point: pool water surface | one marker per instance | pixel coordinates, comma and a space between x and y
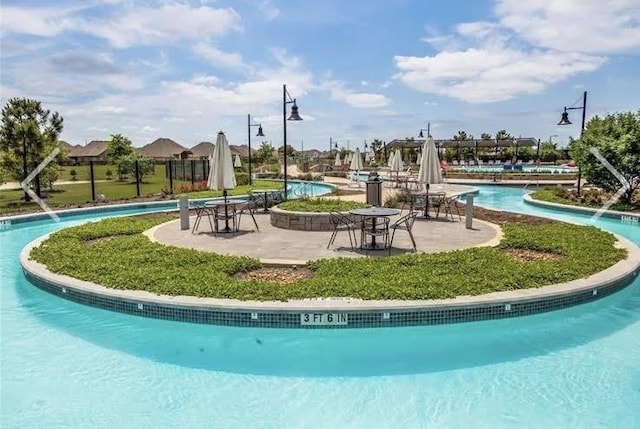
67, 365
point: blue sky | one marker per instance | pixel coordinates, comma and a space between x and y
359, 69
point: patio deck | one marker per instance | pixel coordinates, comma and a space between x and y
282, 246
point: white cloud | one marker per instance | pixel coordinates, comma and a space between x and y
269, 11
128, 26
166, 24
524, 52
217, 57
589, 26
492, 74
363, 99
356, 99
36, 21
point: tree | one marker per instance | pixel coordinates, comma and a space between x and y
29, 133
549, 152
503, 135
485, 136
265, 153
127, 164
119, 147
291, 151
461, 136
617, 138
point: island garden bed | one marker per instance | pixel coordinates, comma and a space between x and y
310, 214
591, 198
114, 253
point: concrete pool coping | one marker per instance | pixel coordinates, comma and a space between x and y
337, 312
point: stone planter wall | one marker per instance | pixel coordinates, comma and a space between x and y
302, 221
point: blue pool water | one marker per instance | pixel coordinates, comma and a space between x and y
66, 365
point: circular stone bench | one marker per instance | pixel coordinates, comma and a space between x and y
301, 221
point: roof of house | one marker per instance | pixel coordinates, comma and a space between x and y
202, 149
93, 148
242, 150
162, 148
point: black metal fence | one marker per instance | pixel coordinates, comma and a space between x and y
187, 170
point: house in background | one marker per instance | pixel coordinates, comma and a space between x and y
95, 150
163, 149
202, 150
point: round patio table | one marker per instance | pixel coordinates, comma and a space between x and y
226, 204
374, 212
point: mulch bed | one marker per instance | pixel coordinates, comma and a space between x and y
281, 275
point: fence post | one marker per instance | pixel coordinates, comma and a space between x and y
193, 170
469, 212
170, 178
137, 179
92, 180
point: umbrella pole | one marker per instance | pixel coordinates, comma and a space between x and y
226, 211
426, 203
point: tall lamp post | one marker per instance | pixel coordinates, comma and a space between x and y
260, 134
286, 99
564, 120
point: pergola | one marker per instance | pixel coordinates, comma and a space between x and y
475, 144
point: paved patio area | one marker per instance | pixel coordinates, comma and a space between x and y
276, 245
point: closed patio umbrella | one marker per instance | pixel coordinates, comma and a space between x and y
338, 161
396, 164
237, 163
429, 173
390, 160
356, 164
221, 175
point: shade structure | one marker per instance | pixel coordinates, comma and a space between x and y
221, 175
356, 161
236, 161
338, 160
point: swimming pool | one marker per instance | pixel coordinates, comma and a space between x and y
67, 365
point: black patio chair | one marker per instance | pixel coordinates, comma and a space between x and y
342, 223
451, 205
404, 223
378, 229
254, 202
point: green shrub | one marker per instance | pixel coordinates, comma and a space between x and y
242, 179
74, 174
320, 205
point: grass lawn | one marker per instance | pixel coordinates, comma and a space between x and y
115, 253
78, 194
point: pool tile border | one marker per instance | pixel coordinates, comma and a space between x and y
359, 313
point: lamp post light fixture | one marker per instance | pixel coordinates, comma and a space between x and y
564, 120
428, 130
286, 99
260, 134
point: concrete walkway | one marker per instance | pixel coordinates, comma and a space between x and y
276, 245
